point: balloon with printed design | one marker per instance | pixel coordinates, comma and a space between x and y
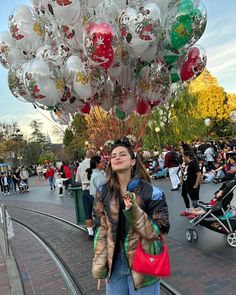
9, 54
100, 41
16, 82
195, 63
188, 25
79, 77
44, 82
26, 29
154, 81
64, 11
140, 24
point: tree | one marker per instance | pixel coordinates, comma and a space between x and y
212, 102
31, 153
176, 120
47, 157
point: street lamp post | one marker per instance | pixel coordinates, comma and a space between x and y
157, 130
17, 136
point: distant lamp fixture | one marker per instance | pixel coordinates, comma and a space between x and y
86, 143
233, 116
157, 129
207, 121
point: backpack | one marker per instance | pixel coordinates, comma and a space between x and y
175, 159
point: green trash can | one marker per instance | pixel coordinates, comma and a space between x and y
79, 208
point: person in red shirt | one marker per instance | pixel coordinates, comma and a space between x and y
50, 176
67, 174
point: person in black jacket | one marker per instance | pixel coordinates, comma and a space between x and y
191, 179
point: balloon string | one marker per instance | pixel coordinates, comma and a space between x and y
47, 117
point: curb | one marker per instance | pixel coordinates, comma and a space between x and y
12, 272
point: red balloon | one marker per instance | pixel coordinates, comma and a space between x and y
98, 43
194, 53
186, 72
142, 107
85, 109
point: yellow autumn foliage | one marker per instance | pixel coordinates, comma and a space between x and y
212, 101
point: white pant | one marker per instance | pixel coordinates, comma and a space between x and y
174, 178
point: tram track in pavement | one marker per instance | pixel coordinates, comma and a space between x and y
69, 248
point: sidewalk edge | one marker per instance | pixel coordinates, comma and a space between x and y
12, 269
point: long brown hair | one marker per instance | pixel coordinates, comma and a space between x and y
137, 171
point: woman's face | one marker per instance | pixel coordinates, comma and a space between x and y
121, 159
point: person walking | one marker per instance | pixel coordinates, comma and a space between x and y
59, 183
39, 170
4, 180
191, 179
16, 179
171, 162
82, 177
50, 176
127, 209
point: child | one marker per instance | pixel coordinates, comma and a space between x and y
59, 184
5, 184
224, 189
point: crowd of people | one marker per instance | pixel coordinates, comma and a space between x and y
14, 181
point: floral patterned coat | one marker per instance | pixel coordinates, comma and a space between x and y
146, 220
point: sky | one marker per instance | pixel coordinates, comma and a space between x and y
219, 41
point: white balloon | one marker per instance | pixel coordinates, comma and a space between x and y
9, 54
44, 82
16, 82
26, 29
79, 76
65, 11
207, 122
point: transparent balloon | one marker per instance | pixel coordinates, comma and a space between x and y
140, 24
9, 54
26, 29
64, 11
16, 82
44, 82
187, 25
79, 77
194, 65
100, 41
154, 81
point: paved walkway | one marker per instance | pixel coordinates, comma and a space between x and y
207, 266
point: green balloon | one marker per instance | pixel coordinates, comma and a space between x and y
185, 7
174, 77
170, 59
181, 31
120, 114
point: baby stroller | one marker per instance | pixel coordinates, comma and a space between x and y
23, 187
219, 217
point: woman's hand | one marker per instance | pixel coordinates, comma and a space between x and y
129, 200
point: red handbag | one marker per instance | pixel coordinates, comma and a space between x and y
153, 265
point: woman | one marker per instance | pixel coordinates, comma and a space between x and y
191, 179
96, 174
122, 222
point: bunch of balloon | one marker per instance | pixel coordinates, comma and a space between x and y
123, 56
